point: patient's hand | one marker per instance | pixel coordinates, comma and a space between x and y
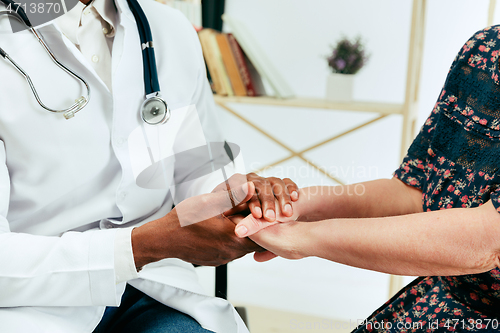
280, 239
272, 236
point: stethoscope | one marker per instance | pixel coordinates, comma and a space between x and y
154, 110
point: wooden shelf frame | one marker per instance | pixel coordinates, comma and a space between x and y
307, 103
408, 110
315, 103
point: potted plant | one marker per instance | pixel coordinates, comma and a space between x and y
347, 58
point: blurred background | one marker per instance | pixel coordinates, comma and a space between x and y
296, 36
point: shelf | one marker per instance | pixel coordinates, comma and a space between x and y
316, 103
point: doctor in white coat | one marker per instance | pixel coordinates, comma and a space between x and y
69, 199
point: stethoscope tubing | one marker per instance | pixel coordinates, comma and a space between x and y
19, 11
81, 102
154, 110
151, 83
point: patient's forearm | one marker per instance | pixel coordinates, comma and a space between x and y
383, 197
447, 242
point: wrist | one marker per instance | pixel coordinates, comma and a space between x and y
153, 241
304, 237
302, 207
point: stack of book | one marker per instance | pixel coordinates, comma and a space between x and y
236, 63
190, 8
258, 58
230, 71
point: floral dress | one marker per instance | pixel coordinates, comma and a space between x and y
455, 161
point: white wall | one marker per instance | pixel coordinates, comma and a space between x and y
296, 35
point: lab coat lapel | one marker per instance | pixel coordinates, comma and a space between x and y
128, 82
54, 36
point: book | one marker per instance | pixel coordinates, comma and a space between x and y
255, 78
231, 65
241, 63
258, 57
209, 55
213, 59
219, 63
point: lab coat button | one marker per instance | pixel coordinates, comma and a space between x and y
122, 196
120, 141
95, 58
86, 12
105, 31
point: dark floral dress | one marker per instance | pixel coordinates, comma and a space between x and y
455, 161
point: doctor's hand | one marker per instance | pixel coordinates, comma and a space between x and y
196, 231
248, 224
267, 191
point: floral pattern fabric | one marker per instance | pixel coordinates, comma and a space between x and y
455, 161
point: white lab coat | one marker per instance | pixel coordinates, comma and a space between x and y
57, 178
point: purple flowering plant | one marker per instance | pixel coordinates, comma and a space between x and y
348, 57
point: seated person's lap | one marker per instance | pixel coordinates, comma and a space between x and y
139, 313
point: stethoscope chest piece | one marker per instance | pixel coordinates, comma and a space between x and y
155, 111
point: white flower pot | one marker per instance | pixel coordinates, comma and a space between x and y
339, 87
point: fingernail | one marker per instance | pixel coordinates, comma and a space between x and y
294, 195
270, 214
241, 231
287, 209
258, 211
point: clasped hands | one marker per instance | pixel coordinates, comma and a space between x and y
201, 229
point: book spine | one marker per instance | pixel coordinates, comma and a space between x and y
210, 59
223, 77
242, 66
231, 66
